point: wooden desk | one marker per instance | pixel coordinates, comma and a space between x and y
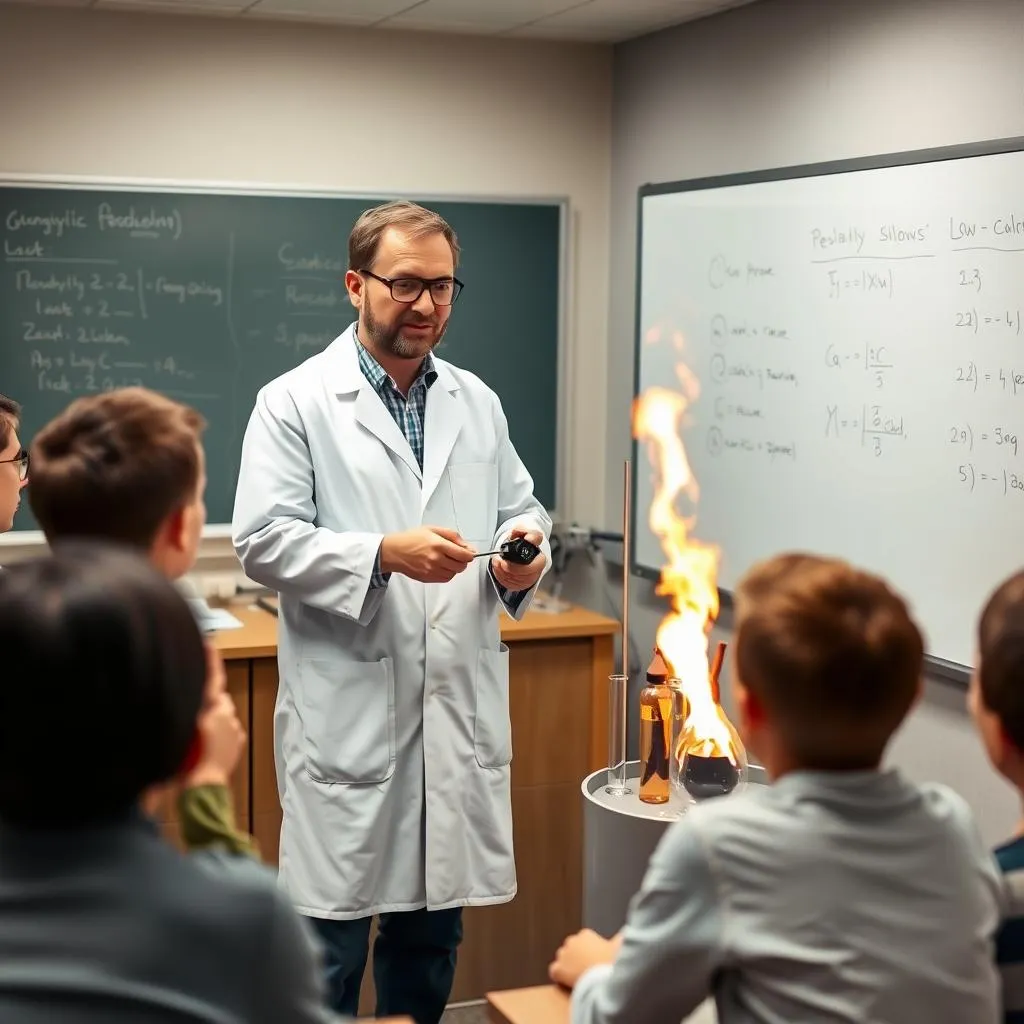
544, 1004
558, 693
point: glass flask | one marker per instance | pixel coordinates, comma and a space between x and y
707, 758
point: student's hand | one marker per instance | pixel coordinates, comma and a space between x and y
430, 554
520, 577
579, 953
221, 733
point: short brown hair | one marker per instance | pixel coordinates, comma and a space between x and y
114, 466
833, 655
418, 221
1001, 657
10, 414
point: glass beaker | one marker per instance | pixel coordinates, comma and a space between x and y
708, 757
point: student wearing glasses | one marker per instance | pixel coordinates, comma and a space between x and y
13, 462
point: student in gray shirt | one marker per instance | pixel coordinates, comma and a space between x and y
101, 920
842, 892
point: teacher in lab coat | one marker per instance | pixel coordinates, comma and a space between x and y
371, 475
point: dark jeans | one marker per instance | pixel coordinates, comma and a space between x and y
413, 962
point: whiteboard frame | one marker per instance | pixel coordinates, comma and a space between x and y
563, 429
939, 667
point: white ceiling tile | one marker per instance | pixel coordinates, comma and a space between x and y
51, 3
348, 10
220, 8
321, 10
614, 21
603, 21
465, 15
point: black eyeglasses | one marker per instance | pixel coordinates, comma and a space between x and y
22, 460
443, 290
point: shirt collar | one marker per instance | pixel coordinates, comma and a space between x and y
378, 376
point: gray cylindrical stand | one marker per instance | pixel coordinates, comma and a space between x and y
619, 836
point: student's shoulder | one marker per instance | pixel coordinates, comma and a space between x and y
753, 816
946, 806
237, 888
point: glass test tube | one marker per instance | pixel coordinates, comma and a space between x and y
618, 694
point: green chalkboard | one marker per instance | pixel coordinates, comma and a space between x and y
207, 295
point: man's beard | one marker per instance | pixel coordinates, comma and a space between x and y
388, 338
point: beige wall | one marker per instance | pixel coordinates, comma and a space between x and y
124, 95
795, 81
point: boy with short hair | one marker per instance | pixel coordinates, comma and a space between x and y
996, 700
842, 892
127, 466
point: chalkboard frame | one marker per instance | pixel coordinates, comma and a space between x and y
213, 531
941, 668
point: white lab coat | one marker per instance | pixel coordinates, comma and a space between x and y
392, 732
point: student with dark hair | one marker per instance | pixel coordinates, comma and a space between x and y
996, 700
13, 462
127, 467
100, 919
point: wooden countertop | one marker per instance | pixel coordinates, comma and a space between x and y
544, 1004
258, 636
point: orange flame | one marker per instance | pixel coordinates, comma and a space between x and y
689, 577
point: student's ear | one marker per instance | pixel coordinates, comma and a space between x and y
175, 530
749, 709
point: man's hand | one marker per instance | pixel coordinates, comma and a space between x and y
220, 731
430, 554
579, 953
520, 577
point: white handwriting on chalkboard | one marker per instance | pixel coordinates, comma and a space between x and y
90, 336
300, 341
33, 333
315, 299
287, 258
188, 289
48, 223
31, 251
72, 284
53, 308
149, 224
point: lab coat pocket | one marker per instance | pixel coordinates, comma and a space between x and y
492, 731
475, 498
348, 719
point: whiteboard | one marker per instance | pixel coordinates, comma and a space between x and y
857, 332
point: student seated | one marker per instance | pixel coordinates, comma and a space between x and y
996, 699
127, 466
840, 893
101, 920
13, 462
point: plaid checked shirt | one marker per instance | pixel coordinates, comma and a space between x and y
408, 414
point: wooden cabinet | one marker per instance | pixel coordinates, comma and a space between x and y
558, 670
